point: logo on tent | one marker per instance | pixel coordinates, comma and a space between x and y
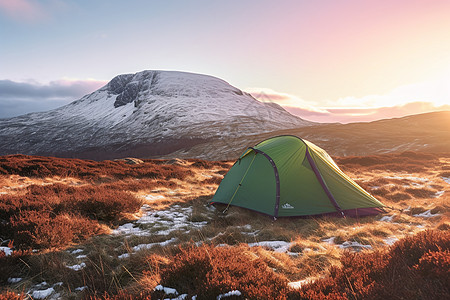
287, 206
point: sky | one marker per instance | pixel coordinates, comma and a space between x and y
325, 61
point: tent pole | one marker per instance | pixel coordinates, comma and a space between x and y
240, 183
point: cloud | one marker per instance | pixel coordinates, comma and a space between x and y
22, 10
17, 98
283, 99
433, 95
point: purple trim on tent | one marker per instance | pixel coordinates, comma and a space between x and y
322, 182
353, 213
277, 180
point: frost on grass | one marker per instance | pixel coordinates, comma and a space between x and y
77, 267
390, 240
41, 294
229, 294
439, 194
147, 246
123, 256
329, 240
76, 251
387, 218
13, 280
161, 222
446, 179
130, 229
166, 290
8, 251
354, 245
277, 246
348, 244
426, 214
151, 245
174, 218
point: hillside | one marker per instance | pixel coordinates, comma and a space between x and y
424, 132
77, 228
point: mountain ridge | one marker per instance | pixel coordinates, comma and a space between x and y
146, 114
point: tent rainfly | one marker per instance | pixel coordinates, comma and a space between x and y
286, 176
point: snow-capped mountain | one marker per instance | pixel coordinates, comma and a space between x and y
146, 114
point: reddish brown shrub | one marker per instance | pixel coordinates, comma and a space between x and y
416, 267
206, 164
56, 215
99, 203
8, 295
42, 229
36, 166
411, 249
435, 265
208, 271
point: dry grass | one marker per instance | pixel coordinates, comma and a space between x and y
50, 204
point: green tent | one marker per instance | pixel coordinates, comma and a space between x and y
286, 176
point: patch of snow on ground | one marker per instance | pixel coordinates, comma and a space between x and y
8, 251
148, 246
167, 290
80, 288
154, 197
123, 256
408, 177
426, 214
446, 179
387, 218
161, 222
13, 280
329, 240
76, 251
77, 267
131, 229
81, 256
390, 240
172, 219
277, 246
439, 194
354, 245
229, 294
41, 294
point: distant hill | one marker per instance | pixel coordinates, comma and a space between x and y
422, 132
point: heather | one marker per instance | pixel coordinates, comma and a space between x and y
113, 230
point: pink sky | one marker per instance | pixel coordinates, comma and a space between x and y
333, 58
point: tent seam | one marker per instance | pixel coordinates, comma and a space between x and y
277, 180
322, 182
